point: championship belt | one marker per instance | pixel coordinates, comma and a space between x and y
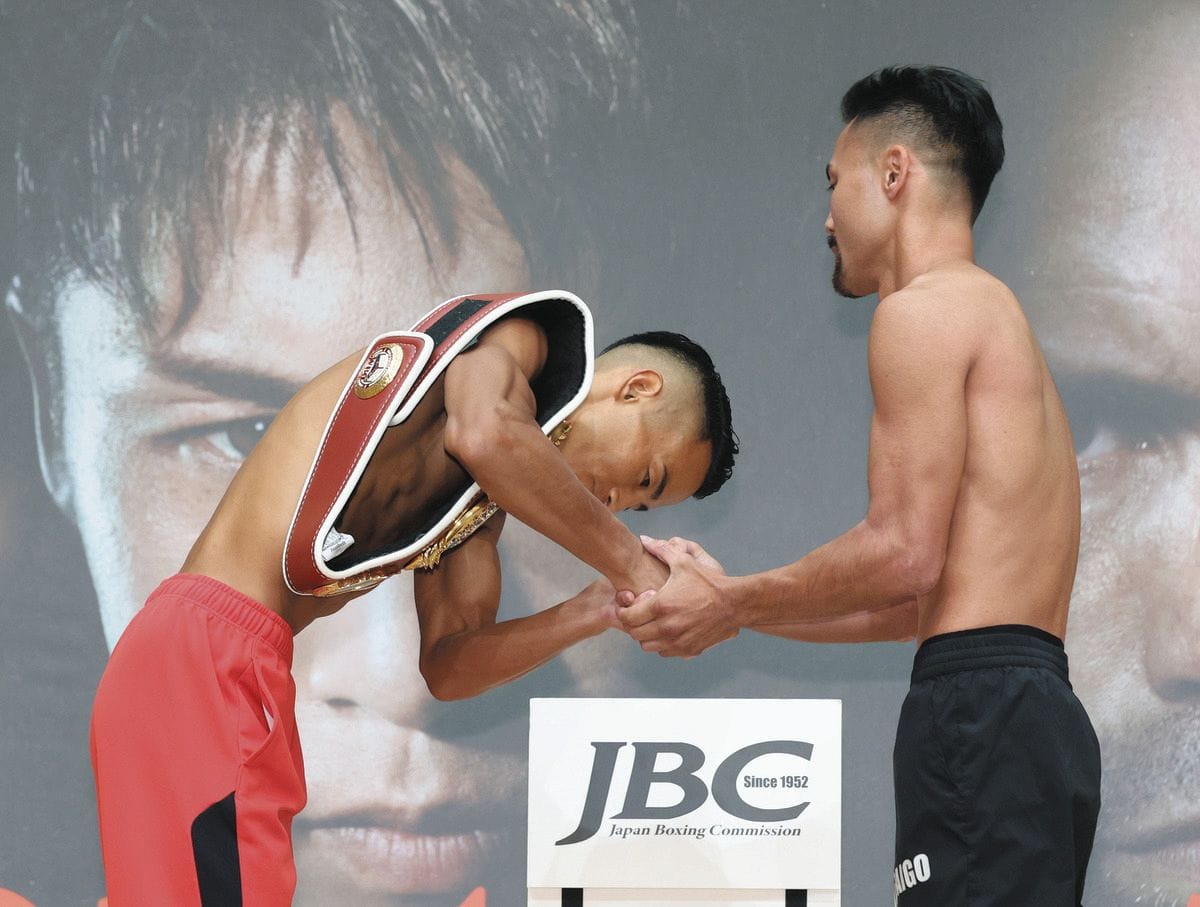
395, 374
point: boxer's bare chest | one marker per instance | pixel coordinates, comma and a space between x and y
407, 483
408, 478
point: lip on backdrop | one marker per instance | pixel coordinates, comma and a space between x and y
401, 811
375, 853
429, 832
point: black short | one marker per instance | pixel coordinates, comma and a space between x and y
997, 773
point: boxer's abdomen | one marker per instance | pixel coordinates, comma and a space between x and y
408, 484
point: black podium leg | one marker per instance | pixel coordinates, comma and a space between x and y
793, 897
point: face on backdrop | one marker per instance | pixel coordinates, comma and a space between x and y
411, 802
1114, 298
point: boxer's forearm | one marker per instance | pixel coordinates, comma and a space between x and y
473, 661
897, 623
862, 570
522, 472
492, 431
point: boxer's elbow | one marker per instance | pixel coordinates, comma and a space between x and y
443, 684
917, 566
463, 441
911, 554
479, 442
443, 691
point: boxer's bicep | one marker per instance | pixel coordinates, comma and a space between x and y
522, 340
494, 375
462, 593
920, 353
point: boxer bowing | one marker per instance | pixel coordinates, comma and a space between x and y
406, 455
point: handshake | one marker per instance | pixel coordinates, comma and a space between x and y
697, 606
690, 612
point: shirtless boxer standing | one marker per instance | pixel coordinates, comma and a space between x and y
194, 744
972, 531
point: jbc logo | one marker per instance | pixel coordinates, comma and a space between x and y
644, 773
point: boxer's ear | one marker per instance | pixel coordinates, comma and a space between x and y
643, 383
896, 163
37, 347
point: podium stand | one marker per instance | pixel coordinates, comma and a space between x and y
682, 802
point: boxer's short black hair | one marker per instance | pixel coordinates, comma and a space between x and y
947, 109
717, 427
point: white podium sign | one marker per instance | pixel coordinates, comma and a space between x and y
685, 794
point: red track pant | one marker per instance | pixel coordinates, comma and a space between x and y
195, 751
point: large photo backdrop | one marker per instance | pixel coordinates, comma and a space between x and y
206, 202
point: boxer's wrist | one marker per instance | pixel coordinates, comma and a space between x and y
592, 611
632, 569
645, 572
745, 597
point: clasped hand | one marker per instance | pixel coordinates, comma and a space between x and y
690, 613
